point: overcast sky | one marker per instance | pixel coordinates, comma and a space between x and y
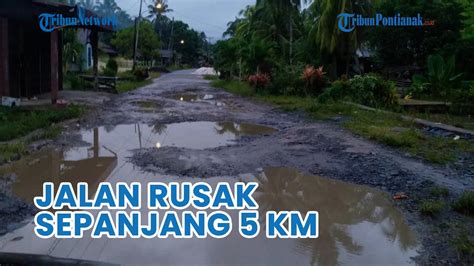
210, 16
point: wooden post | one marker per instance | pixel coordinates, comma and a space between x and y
54, 66
95, 57
4, 62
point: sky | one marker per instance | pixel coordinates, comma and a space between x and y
209, 16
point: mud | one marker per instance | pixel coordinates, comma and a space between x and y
316, 148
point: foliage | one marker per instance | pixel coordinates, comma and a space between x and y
373, 90
431, 208
338, 90
463, 100
10, 151
111, 68
439, 80
140, 74
465, 203
148, 41
258, 81
314, 80
72, 49
439, 191
401, 46
286, 80
18, 122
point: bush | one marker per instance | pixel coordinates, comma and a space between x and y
338, 91
141, 74
463, 102
75, 82
372, 90
465, 203
286, 80
431, 208
111, 68
258, 81
314, 80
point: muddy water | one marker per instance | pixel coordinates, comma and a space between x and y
191, 135
192, 97
358, 225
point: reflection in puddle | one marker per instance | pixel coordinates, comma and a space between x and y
358, 225
191, 135
192, 97
88, 165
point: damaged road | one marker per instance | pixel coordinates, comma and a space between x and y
189, 130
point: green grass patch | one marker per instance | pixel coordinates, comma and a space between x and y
439, 191
18, 122
465, 203
466, 122
210, 77
129, 85
237, 87
146, 104
431, 208
8, 151
464, 245
383, 127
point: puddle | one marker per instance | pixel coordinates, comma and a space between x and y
193, 97
358, 225
191, 135
147, 104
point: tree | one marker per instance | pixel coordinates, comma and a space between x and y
148, 43
334, 45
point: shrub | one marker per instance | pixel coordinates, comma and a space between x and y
338, 91
439, 192
463, 102
141, 74
314, 80
465, 203
286, 80
431, 208
258, 81
439, 79
373, 90
111, 68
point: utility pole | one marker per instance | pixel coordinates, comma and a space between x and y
170, 44
135, 45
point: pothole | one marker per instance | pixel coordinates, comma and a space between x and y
147, 104
358, 224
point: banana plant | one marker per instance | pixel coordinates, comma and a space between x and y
440, 78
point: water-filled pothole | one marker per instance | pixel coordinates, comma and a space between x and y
358, 225
191, 135
192, 97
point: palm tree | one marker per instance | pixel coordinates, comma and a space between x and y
107, 7
332, 42
87, 4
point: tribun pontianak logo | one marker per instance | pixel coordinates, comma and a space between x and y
49, 22
347, 22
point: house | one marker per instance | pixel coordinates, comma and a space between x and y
31, 58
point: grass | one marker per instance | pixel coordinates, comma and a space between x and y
464, 245
439, 191
146, 104
383, 127
129, 85
18, 122
465, 203
431, 208
465, 122
8, 151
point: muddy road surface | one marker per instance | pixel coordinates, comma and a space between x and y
181, 129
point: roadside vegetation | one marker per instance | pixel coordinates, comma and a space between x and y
306, 63
19, 121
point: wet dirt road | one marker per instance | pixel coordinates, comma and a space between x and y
181, 129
